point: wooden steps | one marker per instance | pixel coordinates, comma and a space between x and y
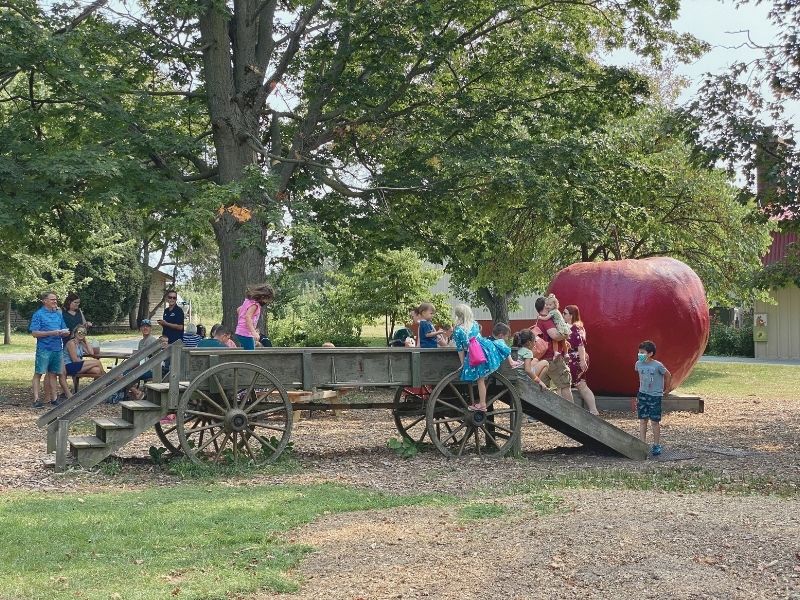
113, 433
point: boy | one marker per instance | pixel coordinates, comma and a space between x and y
654, 379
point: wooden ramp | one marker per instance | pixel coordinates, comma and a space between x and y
575, 422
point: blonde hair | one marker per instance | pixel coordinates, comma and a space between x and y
464, 316
552, 298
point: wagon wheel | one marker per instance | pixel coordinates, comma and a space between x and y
457, 431
409, 414
168, 434
234, 410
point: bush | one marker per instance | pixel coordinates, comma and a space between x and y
726, 340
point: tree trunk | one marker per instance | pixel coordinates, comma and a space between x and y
497, 305
7, 323
233, 120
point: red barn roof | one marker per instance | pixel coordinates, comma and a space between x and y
777, 251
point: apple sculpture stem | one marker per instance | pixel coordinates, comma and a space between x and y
625, 302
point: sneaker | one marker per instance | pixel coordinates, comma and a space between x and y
168, 419
62, 397
656, 450
38, 404
56, 402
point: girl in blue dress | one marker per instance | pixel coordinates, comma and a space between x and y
466, 329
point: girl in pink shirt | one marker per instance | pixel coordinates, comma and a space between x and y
249, 312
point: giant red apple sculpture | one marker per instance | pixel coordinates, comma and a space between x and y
625, 302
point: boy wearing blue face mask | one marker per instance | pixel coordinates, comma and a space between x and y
654, 379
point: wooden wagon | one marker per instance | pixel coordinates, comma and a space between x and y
236, 403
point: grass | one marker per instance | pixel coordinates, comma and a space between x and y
739, 380
23, 342
472, 512
191, 541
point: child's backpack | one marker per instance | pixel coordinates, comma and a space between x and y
539, 345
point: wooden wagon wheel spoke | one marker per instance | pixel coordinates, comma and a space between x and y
263, 399
248, 447
201, 413
460, 397
222, 445
448, 405
221, 391
262, 441
268, 411
463, 443
491, 401
452, 433
216, 435
456, 432
266, 426
211, 401
448, 420
200, 429
504, 411
251, 387
408, 410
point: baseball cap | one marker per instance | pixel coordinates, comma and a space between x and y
145, 322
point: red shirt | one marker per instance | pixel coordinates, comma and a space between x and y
544, 325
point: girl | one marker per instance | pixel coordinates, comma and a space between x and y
466, 329
249, 312
551, 306
78, 358
427, 332
525, 341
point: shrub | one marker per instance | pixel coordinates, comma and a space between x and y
726, 340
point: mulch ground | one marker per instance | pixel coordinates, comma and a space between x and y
598, 544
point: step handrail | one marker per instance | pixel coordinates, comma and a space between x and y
103, 387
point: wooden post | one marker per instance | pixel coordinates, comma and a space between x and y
174, 374
7, 323
62, 440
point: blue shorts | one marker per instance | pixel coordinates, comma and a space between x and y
246, 342
74, 368
48, 361
648, 406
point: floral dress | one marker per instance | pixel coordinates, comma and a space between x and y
492, 351
577, 337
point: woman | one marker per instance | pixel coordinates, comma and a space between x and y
256, 297
73, 315
577, 357
78, 359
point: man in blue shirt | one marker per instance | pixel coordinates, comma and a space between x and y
172, 323
49, 329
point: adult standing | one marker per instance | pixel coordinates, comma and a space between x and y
172, 323
256, 297
72, 313
578, 357
558, 371
48, 327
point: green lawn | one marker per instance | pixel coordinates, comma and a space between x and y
740, 380
190, 541
22, 342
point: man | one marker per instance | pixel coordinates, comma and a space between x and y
172, 323
220, 340
558, 371
49, 329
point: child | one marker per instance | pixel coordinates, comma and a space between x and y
466, 329
256, 297
445, 339
427, 332
500, 333
525, 340
551, 306
654, 379
190, 336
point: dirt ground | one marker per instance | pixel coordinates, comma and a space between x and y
598, 544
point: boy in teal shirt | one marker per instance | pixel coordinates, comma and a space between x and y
654, 379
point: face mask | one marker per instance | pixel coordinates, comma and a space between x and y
642, 356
